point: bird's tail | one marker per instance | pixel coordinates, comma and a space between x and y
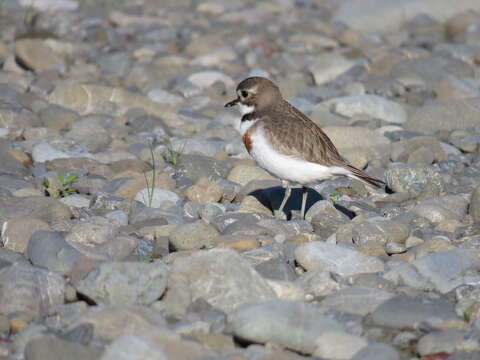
363, 176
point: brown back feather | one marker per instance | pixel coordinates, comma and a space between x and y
300, 136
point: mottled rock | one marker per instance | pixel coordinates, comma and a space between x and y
377, 351
277, 321
337, 345
193, 236
440, 342
325, 224
442, 208
206, 79
204, 191
17, 232
43, 151
11, 165
380, 231
405, 178
437, 116
327, 67
134, 348
373, 106
243, 174
58, 118
337, 259
318, 283
198, 166
345, 137
125, 283
359, 300
39, 207
422, 149
29, 292
36, 55
93, 231
220, 276
157, 198
50, 347
406, 312
461, 22
474, 209
92, 135
50, 250
109, 321
446, 270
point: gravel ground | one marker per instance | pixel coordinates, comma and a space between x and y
135, 225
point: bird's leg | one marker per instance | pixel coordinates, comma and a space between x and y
286, 185
304, 200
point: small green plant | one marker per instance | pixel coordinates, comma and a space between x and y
151, 183
172, 155
335, 196
60, 186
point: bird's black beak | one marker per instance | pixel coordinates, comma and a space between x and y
232, 103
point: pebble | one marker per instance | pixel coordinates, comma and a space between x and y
135, 348
409, 177
157, 198
448, 207
446, 269
377, 351
474, 209
318, 283
274, 321
29, 292
43, 151
403, 311
338, 345
125, 283
380, 231
37, 56
243, 174
327, 67
49, 249
359, 300
373, 106
56, 348
440, 342
210, 273
337, 259
17, 232
195, 235
345, 137
204, 191
434, 117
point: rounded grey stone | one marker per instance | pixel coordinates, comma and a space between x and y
294, 325
50, 250
337, 259
125, 283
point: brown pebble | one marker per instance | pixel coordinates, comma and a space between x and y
17, 324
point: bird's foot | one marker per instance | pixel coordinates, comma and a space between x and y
280, 215
297, 215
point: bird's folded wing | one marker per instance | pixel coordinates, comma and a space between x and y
292, 133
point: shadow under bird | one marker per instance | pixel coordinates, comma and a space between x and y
286, 143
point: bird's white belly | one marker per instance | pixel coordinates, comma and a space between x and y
288, 167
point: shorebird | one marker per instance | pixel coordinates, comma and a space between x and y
286, 143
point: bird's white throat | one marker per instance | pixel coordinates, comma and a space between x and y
246, 124
245, 109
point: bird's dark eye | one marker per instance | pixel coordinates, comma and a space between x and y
244, 93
